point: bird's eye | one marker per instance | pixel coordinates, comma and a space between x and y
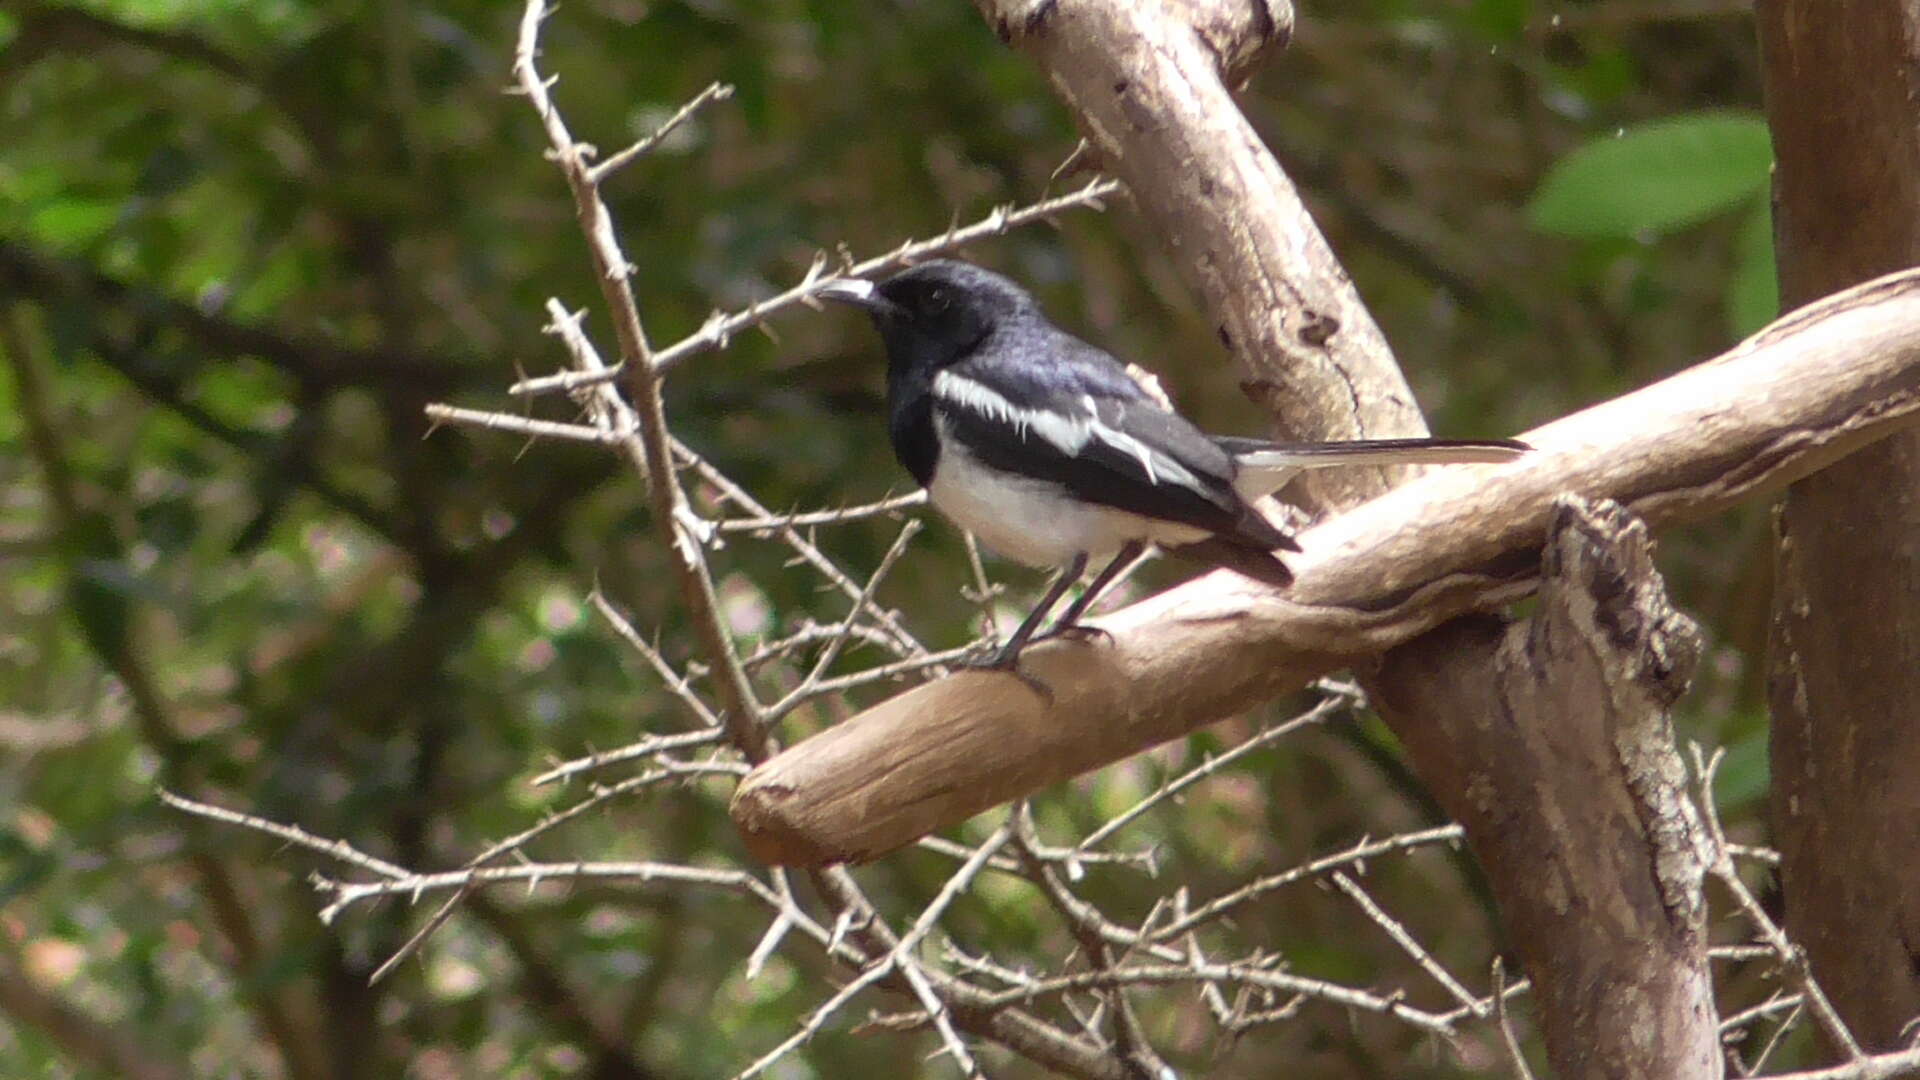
938, 301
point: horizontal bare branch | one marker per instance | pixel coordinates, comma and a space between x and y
1231, 974
292, 834
891, 505
1815, 385
647, 747
520, 425
720, 329
347, 893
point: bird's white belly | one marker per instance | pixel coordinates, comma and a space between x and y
1036, 522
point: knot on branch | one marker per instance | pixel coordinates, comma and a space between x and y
1602, 600
1239, 33
1599, 549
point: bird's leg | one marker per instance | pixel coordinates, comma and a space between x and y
1069, 624
1009, 654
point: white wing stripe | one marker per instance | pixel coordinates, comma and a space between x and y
1068, 434
1332, 455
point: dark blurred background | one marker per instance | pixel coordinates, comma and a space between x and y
242, 243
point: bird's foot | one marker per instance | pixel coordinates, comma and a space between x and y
1008, 660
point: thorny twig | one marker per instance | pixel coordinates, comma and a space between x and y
1414, 950
809, 686
714, 93
1211, 765
720, 329
1521, 1070
1793, 959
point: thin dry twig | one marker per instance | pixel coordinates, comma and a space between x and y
292, 834
898, 956
1250, 974
1414, 950
649, 447
720, 329
806, 549
1367, 849
765, 526
1511, 991
1793, 959
399, 880
1779, 1003
681, 685
714, 93
1211, 764
1499, 999
668, 769
1780, 1033
647, 747
519, 425
1129, 1038
836, 642
1151, 940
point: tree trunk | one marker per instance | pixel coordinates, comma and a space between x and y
1844, 669
1569, 786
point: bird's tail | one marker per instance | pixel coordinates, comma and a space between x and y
1265, 467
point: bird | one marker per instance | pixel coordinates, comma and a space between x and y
1051, 453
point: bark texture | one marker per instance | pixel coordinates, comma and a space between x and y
1842, 79
1569, 787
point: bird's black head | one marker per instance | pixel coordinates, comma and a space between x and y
935, 313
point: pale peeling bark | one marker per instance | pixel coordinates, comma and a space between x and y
1842, 80
1572, 793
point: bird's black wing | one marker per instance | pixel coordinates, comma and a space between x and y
1074, 418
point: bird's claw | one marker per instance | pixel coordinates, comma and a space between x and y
1009, 662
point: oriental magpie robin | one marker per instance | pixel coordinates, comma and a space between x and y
1047, 449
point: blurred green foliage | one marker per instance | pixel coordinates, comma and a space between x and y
241, 244
1658, 178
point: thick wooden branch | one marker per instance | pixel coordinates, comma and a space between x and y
1576, 802
1808, 389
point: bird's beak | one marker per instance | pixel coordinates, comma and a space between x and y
858, 292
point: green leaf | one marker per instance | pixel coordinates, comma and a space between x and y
1500, 20
1753, 291
69, 223
1655, 178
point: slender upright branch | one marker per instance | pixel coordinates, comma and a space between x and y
650, 452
